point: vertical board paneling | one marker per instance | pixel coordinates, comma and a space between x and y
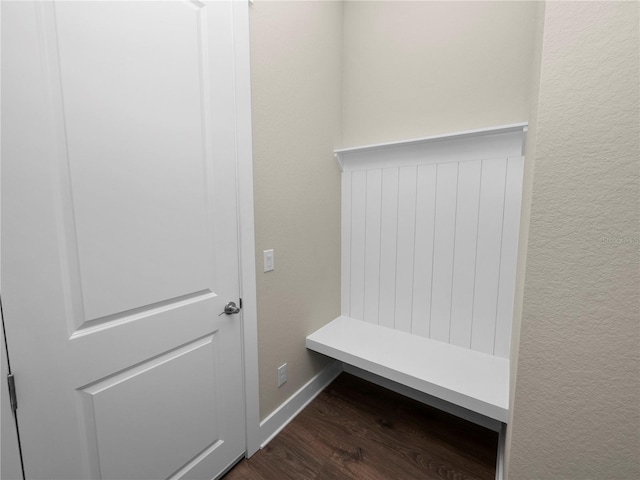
488, 254
388, 247
358, 217
372, 252
446, 197
509, 256
345, 267
431, 249
406, 243
425, 221
465, 252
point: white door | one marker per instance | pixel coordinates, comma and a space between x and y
120, 237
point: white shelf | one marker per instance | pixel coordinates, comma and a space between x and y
491, 142
469, 379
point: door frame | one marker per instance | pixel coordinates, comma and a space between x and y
246, 233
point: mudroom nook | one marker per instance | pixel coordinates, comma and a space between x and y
319, 240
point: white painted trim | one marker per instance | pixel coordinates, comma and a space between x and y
493, 142
514, 127
425, 398
246, 225
280, 418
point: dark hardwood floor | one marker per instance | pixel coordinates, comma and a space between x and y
358, 430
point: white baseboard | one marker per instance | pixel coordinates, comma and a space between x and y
280, 418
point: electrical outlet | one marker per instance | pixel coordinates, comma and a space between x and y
282, 374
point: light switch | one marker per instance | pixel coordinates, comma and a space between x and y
268, 260
282, 374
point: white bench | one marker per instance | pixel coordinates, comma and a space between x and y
429, 251
472, 380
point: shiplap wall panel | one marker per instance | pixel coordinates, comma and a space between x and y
372, 247
358, 220
465, 252
443, 252
425, 221
345, 263
388, 247
488, 254
509, 256
406, 244
429, 236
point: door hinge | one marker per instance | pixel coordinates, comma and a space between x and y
240, 302
12, 392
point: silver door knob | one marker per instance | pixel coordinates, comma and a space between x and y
230, 309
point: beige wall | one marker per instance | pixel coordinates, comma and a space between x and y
296, 81
413, 69
404, 69
576, 407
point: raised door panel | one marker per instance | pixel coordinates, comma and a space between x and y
151, 407
134, 150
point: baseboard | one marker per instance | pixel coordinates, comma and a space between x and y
280, 418
425, 398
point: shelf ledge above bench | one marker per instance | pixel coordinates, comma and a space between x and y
476, 381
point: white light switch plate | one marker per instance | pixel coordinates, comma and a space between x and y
269, 264
282, 374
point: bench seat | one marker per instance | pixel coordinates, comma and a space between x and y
476, 381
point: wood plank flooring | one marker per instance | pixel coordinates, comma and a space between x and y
358, 430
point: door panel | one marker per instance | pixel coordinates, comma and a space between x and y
132, 122
147, 392
120, 240
127, 124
